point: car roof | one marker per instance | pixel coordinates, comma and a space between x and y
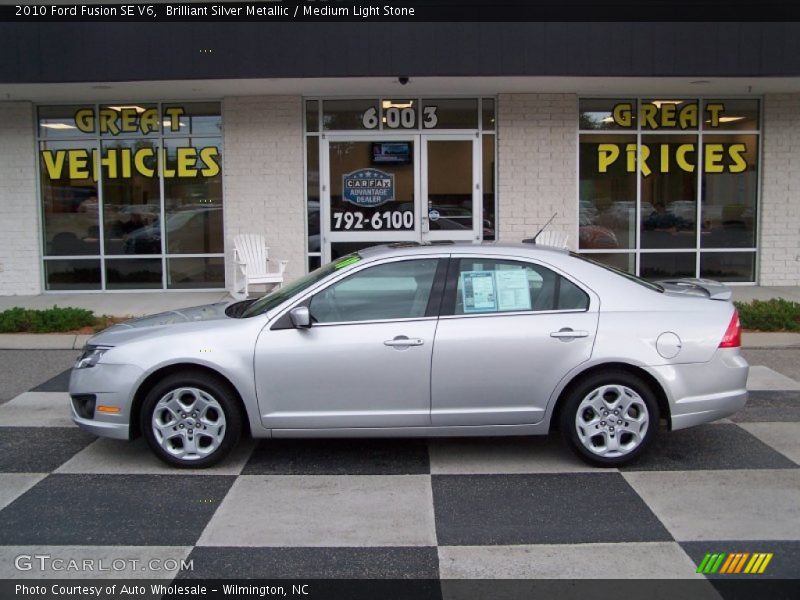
417, 248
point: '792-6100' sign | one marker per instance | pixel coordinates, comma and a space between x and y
369, 189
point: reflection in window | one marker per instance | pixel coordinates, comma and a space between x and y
728, 266
69, 199
489, 216
72, 274
133, 274
312, 187
195, 272
607, 205
193, 196
348, 114
397, 290
607, 113
730, 190
131, 196
669, 191
624, 262
663, 265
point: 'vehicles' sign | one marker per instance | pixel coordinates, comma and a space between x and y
148, 159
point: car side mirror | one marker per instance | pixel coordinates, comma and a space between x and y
301, 318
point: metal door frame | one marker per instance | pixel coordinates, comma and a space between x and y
421, 231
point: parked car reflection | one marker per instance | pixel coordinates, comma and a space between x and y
195, 230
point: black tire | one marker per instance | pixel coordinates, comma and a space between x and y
580, 391
219, 391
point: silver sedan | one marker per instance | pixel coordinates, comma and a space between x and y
424, 340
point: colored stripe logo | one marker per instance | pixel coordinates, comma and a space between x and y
735, 562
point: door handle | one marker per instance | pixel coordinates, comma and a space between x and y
567, 333
402, 341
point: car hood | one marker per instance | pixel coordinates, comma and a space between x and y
207, 312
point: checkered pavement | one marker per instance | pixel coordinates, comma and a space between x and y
444, 508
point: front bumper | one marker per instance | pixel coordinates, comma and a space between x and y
705, 392
112, 386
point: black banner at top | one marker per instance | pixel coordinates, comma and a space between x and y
322, 11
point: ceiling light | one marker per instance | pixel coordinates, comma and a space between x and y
390, 104
168, 123
58, 126
138, 109
731, 119
101, 87
660, 103
700, 82
608, 119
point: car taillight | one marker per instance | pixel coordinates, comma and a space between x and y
733, 335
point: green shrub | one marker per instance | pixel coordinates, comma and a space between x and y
770, 315
25, 320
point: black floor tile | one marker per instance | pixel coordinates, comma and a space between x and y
770, 406
128, 510
59, 383
708, 447
548, 508
339, 457
39, 449
785, 562
319, 563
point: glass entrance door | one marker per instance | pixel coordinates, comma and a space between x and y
394, 188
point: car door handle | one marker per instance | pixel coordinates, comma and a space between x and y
402, 341
567, 333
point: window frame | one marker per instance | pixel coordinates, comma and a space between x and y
448, 302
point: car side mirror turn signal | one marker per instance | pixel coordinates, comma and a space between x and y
301, 318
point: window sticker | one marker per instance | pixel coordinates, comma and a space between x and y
512, 290
478, 291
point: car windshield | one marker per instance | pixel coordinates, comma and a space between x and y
643, 282
270, 301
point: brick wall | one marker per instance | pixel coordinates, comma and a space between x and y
780, 196
537, 159
19, 214
263, 167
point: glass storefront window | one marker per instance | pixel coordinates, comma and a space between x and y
607, 192
349, 114
69, 198
730, 189
196, 272
103, 169
62, 275
668, 174
607, 113
443, 113
312, 115
488, 116
682, 174
312, 186
489, 212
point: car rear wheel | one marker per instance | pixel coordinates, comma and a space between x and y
191, 420
610, 418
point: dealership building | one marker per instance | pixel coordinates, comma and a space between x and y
132, 155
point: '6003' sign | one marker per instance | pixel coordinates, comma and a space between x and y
400, 117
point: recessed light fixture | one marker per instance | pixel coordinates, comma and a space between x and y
608, 119
728, 119
168, 123
58, 126
138, 109
390, 104
700, 82
101, 87
660, 103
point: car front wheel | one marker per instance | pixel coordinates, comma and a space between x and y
191, 420
610, 418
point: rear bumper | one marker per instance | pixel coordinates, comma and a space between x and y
701, 393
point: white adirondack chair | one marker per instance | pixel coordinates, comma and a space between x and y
251, 264
552, 237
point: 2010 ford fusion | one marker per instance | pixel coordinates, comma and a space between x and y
424, 340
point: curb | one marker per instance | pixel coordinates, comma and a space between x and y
42, 341
71, 341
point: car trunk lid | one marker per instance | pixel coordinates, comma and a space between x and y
704, 288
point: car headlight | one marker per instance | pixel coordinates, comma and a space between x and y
90, 356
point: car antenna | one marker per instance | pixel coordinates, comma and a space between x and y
533, 239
